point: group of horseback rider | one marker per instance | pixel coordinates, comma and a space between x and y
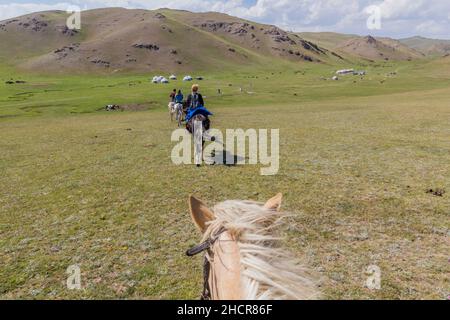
193, 106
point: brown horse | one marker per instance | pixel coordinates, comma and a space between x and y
243, 260
206, 123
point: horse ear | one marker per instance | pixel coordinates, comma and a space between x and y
200, 213
274, 203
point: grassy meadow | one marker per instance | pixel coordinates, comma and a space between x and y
83, 186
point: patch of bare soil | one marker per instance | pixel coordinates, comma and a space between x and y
136, 107
130, 107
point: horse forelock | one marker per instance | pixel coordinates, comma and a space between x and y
267, 270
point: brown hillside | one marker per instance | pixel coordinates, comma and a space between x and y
379, 49
117, 40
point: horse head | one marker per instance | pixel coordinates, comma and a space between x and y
243, 260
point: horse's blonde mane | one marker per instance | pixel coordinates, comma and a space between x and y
267, 271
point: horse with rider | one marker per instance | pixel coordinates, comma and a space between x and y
193, 108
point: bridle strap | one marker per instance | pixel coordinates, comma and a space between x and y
206, 294
204, 245
200, 248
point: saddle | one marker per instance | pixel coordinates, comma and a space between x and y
198, 111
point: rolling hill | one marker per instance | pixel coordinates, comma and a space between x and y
121, 40
329, 40
369, 48
379, 49
434, 47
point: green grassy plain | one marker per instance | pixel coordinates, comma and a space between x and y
83, 186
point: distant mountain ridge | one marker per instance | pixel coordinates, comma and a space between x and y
379, 49
368, 47
427, 46
122, 40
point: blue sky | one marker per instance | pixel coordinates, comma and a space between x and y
399, 18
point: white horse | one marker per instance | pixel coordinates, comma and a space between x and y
176, 109
243, 259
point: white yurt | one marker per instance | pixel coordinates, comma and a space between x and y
345, 71
173, 77
187, 78
159, 79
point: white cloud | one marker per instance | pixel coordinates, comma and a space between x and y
17, 9
431, 27
400, 18
396, 9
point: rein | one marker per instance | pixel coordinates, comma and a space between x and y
205, 246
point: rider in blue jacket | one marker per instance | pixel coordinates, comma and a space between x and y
179, 97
